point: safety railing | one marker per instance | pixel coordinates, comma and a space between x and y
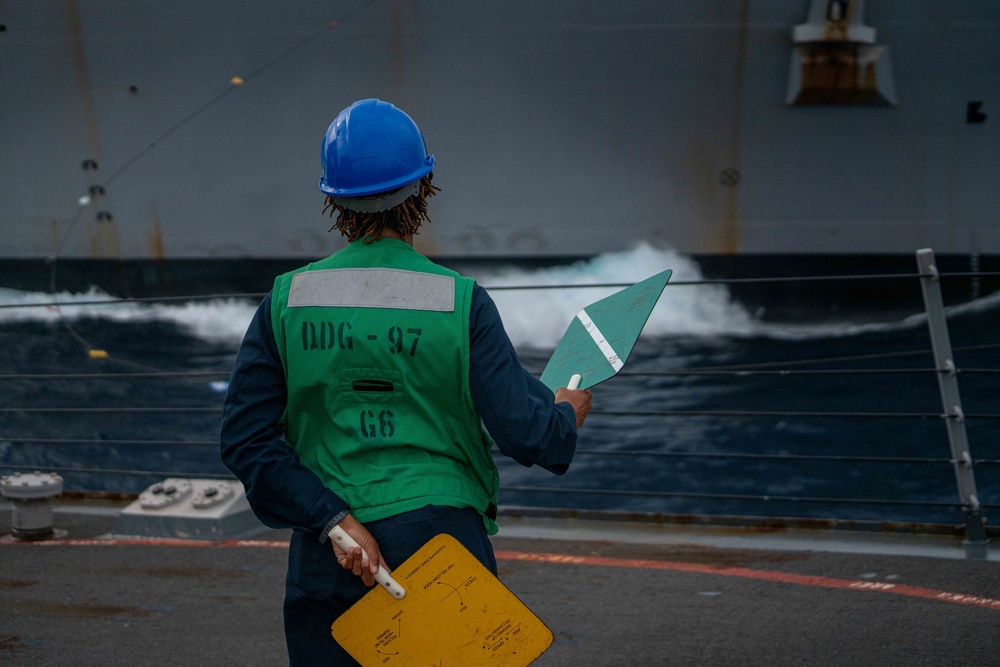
24, 450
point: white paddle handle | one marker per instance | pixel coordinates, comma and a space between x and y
574, 381
340, 536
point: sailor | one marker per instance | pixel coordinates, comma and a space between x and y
371, 386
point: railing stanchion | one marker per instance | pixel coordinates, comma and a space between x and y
930, 283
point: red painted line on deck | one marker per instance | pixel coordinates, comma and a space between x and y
147, 542
594, 561
747, 573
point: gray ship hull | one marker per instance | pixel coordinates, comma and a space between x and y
561, 130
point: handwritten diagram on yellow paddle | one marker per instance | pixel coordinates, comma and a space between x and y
600, 338
453, 612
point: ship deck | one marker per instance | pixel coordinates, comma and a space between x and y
612, 592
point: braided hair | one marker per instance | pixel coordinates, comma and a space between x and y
404, 218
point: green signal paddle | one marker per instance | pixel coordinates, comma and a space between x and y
598, 341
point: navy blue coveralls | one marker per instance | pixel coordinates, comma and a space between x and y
517, 410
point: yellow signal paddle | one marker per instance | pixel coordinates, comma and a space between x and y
451, 611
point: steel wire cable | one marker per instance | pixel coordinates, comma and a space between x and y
746, 370
763, 280
117, 471
143, 299
780, 457
965, 274
212, 101
192, 374
555, 490
848, 371
582, 452
756, 369
256, 296
105, 410
677, 283
613, 413
853, 357
762, 457
113, 443
776, 413
234, 86
728, 496
113, 376
170, 374
83, 202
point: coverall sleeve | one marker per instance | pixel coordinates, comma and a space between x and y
282, 492
519, 411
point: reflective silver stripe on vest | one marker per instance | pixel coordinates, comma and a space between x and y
373, 288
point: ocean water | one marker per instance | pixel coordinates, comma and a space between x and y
721, 409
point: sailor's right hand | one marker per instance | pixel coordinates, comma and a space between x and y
353, 559
579, 399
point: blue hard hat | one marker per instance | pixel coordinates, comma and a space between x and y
372, 147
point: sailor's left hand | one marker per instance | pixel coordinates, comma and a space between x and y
353, 558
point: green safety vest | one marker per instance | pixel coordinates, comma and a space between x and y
374, 341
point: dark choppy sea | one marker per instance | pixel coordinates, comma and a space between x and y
649, 446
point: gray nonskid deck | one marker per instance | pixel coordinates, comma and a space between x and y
611, 594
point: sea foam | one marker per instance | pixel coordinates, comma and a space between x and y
535, 318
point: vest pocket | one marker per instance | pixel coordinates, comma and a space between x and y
369, 385
378, 386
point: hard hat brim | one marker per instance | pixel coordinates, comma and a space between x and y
385, 186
